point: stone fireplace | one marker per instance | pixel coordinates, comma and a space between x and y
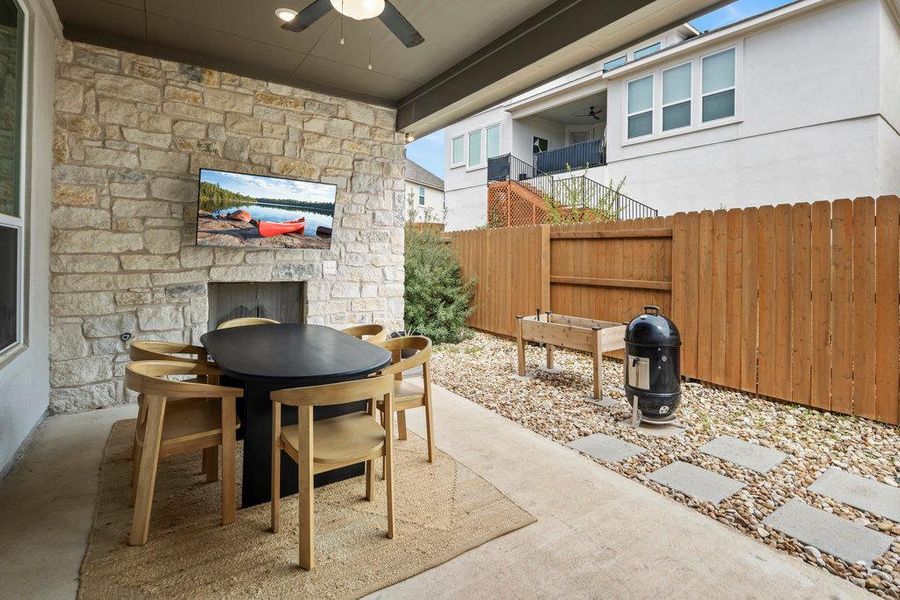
131, 134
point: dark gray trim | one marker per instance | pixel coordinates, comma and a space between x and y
560, 24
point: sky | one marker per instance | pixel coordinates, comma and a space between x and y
271, 187
429, 150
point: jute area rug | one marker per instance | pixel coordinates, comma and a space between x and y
442, 510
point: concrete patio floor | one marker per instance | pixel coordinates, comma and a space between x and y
598, 533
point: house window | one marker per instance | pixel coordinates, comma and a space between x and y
640, 107
538, 145
11, 221
647, 51
493, 140
718, 86
614, 63
421, 195
474, 148
457, 151
676, 97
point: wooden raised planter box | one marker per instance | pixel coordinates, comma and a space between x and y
574, 333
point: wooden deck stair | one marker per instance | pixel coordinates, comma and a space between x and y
515, 203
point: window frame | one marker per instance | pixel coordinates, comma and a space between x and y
697, 124
623, 58
421, 195
657, 44
462, 138
690, 98
651, 110
486, 129
481, 160
20, 223
733, 86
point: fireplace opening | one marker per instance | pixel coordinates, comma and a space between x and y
283, 301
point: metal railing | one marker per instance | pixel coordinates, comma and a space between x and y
507, 167
572, 193
590, 153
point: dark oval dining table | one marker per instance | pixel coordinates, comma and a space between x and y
265, 358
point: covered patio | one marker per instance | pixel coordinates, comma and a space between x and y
208, 382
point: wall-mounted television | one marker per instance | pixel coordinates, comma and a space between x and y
256, 211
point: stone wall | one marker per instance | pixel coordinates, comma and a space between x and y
131, 134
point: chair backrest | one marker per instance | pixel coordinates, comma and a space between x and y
336, 393
155, 350
148, 377
419, 343
245, 321
372, 332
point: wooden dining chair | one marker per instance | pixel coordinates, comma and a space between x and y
328, 444
160, 350
180, 417
246, 321
372, 332
409, 395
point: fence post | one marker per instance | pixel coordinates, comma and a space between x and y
545, 267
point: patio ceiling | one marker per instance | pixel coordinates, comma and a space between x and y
476, 53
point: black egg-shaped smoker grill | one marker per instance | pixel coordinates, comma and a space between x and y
652, 367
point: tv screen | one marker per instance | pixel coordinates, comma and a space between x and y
256, 211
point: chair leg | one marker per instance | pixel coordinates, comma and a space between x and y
389, 480
370, 479
429, 425
211, 464
401, 424
136, 447
383, 426
146, 480
429, 409
305, 476
276, 467
229, 420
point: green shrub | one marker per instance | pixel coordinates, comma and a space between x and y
438, 300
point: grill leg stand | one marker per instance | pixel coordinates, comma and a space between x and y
635, 412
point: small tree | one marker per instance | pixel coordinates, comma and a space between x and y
570, 204
438, 300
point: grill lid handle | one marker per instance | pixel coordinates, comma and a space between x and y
650, 309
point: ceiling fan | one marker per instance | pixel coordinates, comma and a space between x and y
591, 113
355, 9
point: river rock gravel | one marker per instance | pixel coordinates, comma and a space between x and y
556, 405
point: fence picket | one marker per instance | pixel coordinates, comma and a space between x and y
863, 320
887, 239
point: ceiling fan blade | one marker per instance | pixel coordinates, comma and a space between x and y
399, 26
308, 16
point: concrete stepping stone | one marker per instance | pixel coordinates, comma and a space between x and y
744, 454
839, 537
858, 491
696, 481
606, 447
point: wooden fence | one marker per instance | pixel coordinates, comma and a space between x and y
796, 302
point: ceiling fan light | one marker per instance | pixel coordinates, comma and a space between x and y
359, 9
285, 14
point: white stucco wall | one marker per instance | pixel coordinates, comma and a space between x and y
810, 94
24, 379
465, 188
434, 202
889, 47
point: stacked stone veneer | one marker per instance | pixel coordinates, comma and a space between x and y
131, 134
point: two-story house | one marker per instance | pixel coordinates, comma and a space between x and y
800, 103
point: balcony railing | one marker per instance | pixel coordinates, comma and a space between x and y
591, 153
570, 193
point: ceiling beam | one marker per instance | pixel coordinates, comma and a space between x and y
539, 49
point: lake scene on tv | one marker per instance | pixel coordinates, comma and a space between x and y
255, 211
